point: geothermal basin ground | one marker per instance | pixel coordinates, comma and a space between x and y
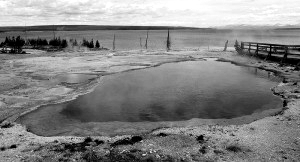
30, 82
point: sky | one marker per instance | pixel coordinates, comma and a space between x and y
193, 13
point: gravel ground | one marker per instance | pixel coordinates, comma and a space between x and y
26, 83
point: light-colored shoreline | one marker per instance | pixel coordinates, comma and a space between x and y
123, 61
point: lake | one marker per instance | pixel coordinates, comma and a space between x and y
180, 39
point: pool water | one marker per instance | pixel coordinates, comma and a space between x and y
171, 92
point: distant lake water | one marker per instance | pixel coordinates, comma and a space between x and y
130, 39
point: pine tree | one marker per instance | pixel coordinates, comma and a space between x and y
19, 44
97, 44
92, 44
64, 43
75, 43
6, 41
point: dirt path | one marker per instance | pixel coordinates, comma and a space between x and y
29, 81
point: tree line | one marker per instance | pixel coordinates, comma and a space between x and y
85, 43
16, 44
90, 44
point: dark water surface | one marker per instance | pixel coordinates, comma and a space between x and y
170, 92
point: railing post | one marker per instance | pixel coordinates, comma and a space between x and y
256, 52
286, 51
249, 48
270, 52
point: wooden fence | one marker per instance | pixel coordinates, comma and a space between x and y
284, 52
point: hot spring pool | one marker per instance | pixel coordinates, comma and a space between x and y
170, 92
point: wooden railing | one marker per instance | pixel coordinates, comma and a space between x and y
277, 50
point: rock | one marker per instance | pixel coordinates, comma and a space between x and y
200, 138
161, 135
6, 124
218, 152
13, 146
202, 150
127, 141
88, 139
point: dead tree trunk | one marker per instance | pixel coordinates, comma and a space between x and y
168, 41
114, 42
146, 44
226, 44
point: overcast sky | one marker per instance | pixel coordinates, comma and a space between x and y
197, 13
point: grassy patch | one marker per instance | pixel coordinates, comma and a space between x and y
91, 156
78, 147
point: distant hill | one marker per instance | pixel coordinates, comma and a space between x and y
261, 27
288, 28
91, 27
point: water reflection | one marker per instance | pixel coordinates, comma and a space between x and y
178, 91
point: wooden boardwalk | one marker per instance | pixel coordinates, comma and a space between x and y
276, 52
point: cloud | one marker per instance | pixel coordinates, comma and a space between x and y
197, 13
